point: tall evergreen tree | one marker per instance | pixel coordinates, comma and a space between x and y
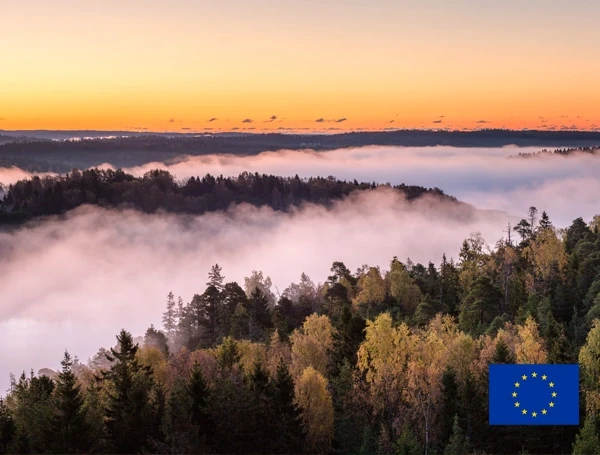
169, 318
289, 432
69, 423
201, 418
260, 315
7, 428
458, 444
449, 402
215, 277
128, 413
587, 442
502, 353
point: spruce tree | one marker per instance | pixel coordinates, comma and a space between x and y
289, 433
128, 413
586, 442
201, 418
215, 277
69, 423
260, 315
458, 444
169, 318
449, 402
502, 354
7, 428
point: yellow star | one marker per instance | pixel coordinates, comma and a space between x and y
544, 377
534, 375
524, 377
517, 384
551, 404
517, 404
554, 394
534, 414
514, 394
544, 412
524, 411
551, 384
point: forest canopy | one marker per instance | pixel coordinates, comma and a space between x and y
159, 190
375, 361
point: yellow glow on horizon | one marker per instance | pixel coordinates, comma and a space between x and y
130, 64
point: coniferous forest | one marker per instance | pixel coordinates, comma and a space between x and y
389, 360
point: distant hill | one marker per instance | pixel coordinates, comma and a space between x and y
45, 155
158, 190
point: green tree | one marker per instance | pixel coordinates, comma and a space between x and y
449, 402
586, 442
129, 413
69, 423
502, 353
7, 428
459, 444
169, 318
289, 434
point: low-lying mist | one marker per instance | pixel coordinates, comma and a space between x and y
486, 177
73, 282
562, 185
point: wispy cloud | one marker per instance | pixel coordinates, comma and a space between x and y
210, 120
247, 120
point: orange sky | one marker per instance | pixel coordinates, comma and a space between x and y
133, 64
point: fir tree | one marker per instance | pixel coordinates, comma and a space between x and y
458, 444
215, 277
200, 393
502, 354
449, 402
586, 442
169, 318
128, 413
7, 428
289, 432
69, 424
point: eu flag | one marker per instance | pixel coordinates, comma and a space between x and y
536, 394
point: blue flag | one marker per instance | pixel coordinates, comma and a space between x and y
539, 394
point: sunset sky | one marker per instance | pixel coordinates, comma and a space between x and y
290, 64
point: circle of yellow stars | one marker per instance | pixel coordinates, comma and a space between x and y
553, 394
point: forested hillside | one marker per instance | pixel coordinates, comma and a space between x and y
36, 153
158, 190
375, 361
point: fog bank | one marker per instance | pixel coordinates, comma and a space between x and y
74, 282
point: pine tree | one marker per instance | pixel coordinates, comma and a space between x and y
181, 435
69, 423
458, 444
169, 318
200, 393
7, 428
260, 315
228, 354
586, 442
128, 413
289, 432
215, 277
449, 402
407, 444
502, 354
545, 222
